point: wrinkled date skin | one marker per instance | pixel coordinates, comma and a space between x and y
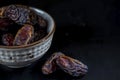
23, 22
24, 35
20, 14
42, 22
71, 66
5, 23
38, 35
67, 64
50, 64
7, 39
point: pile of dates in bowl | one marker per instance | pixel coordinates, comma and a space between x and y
26, 34
19, 25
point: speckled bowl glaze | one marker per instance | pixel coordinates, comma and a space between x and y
21, 56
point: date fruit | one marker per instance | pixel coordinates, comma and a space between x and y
42, 22
71, 66
39, 35
2, 12
24, 35
20, 14
5, 23
23, 23
50, 64
7, 39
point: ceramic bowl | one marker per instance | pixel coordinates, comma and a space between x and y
21, 56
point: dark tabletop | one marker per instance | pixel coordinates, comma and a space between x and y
88, 30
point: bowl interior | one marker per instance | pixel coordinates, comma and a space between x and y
47, 17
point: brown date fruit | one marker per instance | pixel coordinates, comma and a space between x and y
71, 66
32, 18
11, 12
50, 64
39, 35
24, 35
20, 14
7, 39
2, 11
5, 23
42, 22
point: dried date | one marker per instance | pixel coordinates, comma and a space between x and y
42, 22
5, 23
20, 14
32, 18
71, 66
50, 64
67, 64
13, 16
2, 12
39, 35
24, 35
7, 39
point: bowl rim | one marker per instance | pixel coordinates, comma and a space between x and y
39, 41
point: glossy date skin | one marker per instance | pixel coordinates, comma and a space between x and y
20, 14
69, 65
24, 35
7, 39
23, 23
50, 64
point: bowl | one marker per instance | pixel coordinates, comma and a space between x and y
21, 56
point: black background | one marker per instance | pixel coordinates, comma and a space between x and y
88, 30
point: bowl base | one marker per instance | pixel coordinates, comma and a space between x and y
18, 66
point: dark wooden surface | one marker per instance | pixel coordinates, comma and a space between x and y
87, 30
